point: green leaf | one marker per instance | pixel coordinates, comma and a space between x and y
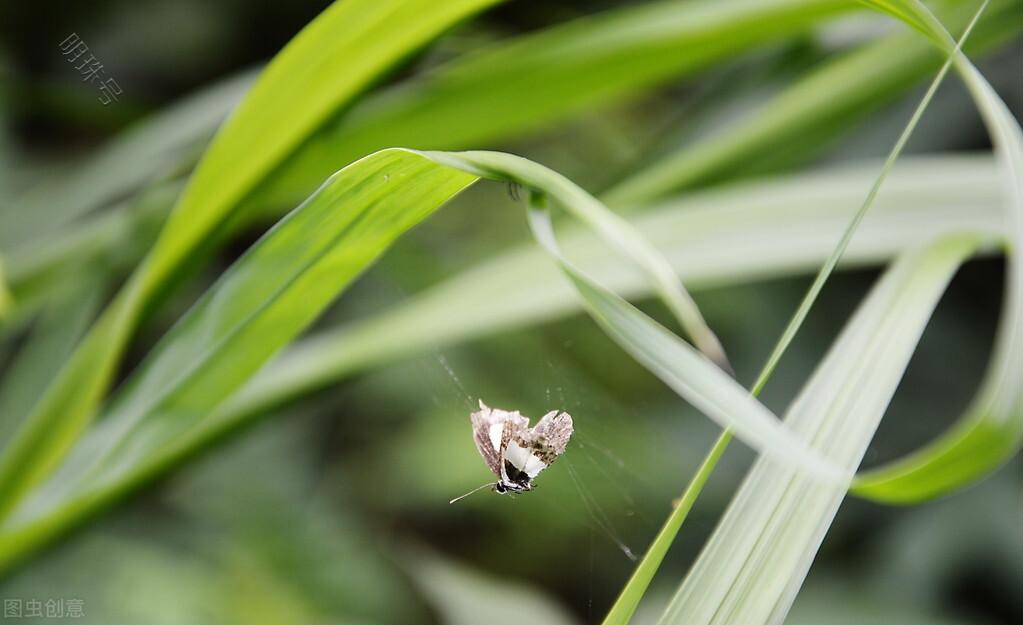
336, 56
627, 602
756, 561
502, 90
268, 297
991, 431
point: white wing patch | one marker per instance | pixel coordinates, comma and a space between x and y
523, 460
496, 431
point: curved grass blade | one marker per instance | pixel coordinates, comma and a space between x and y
630, 596
992, 429
785, 227
268, 297
609, 226
336, 56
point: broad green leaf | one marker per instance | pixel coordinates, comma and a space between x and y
268, 296
336, 56
991, 431
757, 558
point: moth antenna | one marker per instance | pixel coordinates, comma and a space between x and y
475, 490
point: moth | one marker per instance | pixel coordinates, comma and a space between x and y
513, 451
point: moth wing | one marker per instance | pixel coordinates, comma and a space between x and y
481, 434
533, 450
492, 429
550, 436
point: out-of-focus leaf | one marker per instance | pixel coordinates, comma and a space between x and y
465, 597
138, 157
416, 113
823, 104
532, 81
793, 224
835, 603
282, 283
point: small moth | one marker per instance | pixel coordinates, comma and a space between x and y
513, 451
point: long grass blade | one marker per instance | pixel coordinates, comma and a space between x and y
757, 558
266, 299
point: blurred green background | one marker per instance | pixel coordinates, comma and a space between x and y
334, 509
